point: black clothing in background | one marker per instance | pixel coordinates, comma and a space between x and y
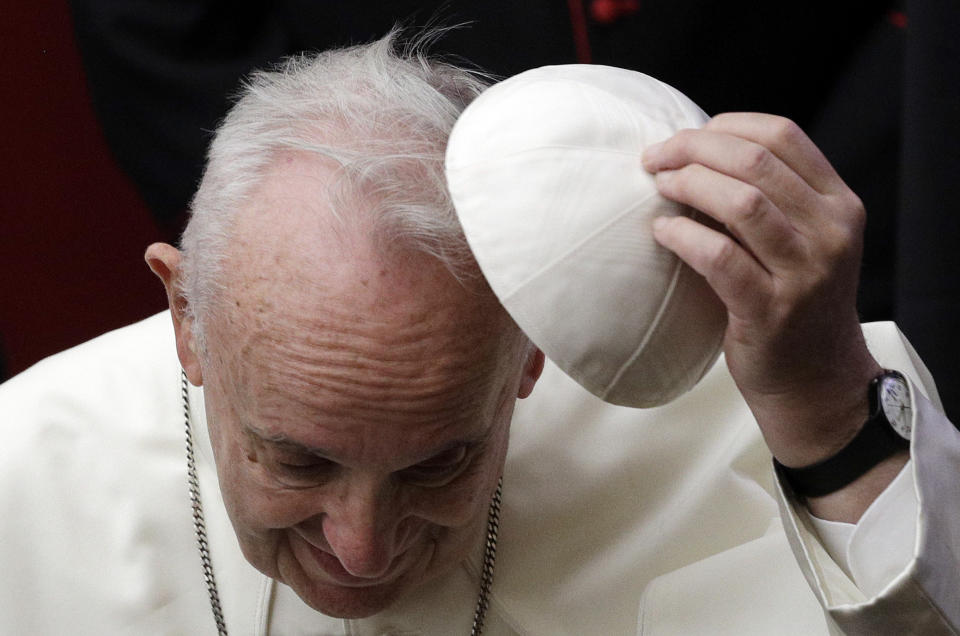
927, 298
876, 87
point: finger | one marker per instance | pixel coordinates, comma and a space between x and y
787, 141
735, 277
740, 158
744, 209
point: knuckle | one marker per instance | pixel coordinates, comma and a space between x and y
856, 210
755, 160
722, 254
783, 242
786, 131
748, 204
846, 230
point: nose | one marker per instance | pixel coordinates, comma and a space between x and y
361, 529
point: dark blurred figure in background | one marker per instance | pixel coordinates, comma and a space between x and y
875, 84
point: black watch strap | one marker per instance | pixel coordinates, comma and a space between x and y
875, 442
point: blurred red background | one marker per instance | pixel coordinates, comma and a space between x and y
70, 221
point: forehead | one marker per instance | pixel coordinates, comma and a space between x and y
320, 334
302, 226
295, 258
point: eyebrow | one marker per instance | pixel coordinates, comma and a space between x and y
282, 440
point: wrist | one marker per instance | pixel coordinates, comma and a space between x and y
819, 422
850, 479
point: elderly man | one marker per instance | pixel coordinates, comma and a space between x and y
352, 384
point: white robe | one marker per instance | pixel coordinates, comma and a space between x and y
615, 521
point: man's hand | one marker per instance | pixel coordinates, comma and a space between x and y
787, 271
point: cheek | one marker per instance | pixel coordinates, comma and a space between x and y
260, 504
254, 502
463, 502
452, 507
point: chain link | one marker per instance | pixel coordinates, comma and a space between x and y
198, 523
489, 560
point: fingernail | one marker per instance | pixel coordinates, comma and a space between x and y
660, 223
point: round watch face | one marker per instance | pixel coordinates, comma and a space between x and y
895, 400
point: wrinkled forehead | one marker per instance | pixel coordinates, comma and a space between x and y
408, 314
312, 306
360, 350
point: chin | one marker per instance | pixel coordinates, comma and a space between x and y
340, 602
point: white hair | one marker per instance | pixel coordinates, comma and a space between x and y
381, 115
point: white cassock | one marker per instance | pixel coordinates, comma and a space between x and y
615, 520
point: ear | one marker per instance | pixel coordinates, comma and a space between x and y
164, 261
532, 369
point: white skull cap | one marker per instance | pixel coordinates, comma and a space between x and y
545, 173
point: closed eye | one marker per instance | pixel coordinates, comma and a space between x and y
303, 470
439, 469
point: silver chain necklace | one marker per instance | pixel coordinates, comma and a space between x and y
489, 550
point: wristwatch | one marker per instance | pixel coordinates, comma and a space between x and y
887, 430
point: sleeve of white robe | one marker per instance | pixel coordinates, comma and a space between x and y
878, 547
910, 588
